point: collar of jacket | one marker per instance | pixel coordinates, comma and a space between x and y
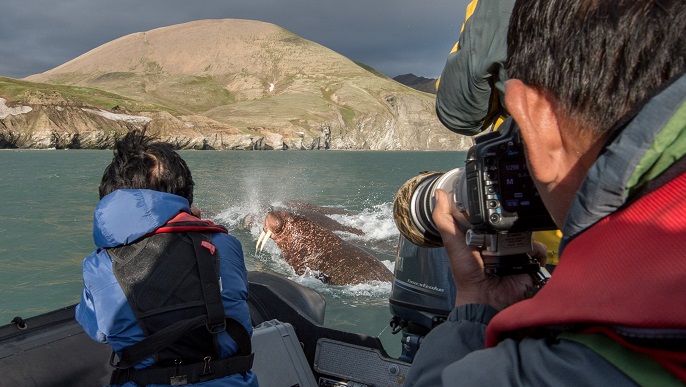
125, 215
646, 147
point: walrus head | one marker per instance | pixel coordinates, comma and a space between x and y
274, 223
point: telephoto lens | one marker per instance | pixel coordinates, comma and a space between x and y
415, 202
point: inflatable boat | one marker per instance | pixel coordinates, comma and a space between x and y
292, 346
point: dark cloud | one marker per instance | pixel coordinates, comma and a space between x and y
393, 36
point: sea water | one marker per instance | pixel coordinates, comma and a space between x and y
47, 199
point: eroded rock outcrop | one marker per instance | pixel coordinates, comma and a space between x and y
61, 126
67, 127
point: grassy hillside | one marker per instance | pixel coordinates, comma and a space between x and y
17, 91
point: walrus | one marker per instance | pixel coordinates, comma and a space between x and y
318, 214
306, 245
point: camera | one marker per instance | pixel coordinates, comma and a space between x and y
495, 193
498, 208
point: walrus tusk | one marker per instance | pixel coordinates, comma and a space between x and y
262, 240
265, 238
259, 239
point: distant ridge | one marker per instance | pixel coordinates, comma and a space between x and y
240, 84
427, 85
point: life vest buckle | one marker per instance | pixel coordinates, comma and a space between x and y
216, 328
207, 370
178, 380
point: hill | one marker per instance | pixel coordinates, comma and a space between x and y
238, 84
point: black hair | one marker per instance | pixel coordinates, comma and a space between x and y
142, 162
597, 58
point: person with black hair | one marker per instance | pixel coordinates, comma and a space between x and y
165, 289
598, 90
140, 162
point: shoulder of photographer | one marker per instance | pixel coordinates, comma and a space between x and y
605, 141
471, 87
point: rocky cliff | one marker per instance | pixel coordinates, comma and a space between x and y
219, 84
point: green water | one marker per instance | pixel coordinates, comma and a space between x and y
48, 199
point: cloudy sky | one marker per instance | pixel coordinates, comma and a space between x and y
394, 36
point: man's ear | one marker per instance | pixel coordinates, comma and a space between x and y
534, 112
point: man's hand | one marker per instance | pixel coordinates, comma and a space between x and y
473, 287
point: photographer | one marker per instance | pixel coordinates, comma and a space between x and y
598, 89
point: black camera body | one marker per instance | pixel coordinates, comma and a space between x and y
495, 203
501, 196
503, 206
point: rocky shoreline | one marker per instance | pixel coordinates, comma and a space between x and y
64, 126
68, 127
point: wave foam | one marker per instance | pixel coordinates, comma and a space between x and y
375, 222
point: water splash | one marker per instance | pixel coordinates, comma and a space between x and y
367, 293
376, 222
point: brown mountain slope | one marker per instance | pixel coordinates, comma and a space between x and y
263, 81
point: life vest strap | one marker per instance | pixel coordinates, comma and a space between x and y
160, 340
185, 373
209, 278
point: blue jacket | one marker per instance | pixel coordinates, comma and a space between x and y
121, 218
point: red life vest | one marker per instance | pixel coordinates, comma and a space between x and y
627, 270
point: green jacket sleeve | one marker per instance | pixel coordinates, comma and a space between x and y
472, 84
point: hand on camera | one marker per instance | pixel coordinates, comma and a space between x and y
473, 287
